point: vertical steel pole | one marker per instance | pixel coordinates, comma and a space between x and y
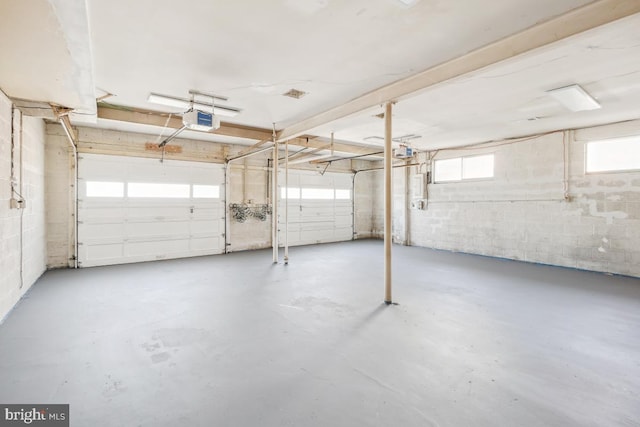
286, 202
274, 194
388, 170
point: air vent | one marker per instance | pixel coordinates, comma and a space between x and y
295, 93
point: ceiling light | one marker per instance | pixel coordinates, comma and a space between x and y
403, 138
407, 137
185, 104
574, 98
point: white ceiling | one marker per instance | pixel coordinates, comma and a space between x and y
254, 51
45, 51
509, 99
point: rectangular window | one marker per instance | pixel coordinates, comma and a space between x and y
464, 168
206, 191
317, 193
619, 154
477, 167
289, 193
159, 190
448, 170
343, 194
105, 189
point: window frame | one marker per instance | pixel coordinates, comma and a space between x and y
462, 179
609, 141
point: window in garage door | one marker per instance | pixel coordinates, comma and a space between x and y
136, 209
320, 207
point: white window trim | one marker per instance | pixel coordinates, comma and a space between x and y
458, 181
608, 171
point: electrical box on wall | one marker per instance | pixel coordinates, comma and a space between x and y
417, 204
417, 186
17, 203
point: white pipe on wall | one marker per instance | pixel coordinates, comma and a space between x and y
274, 202
72, 141
286, 202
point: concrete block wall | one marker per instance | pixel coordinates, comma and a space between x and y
22, 231
522, 213
59, 174
364, 190
253, 233
400, 222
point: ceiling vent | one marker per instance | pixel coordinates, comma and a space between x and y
295, 93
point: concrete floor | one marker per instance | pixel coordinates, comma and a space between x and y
237, 341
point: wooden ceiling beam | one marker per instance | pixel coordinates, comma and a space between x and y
574, 22
155, 118
325, 144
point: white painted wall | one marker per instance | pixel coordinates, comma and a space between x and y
364, 191
253, 233
22, 232
59, 198
522, 214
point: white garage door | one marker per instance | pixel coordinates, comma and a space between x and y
320, 207
134, 209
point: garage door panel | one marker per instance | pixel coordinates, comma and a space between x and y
318, 216
158, 212
202, 243
343, 221
102, 230
207, 213
316, 236
161, 248
103, 253
206, 227
120, 228
104, 214
341, 234
157, 229
318, 225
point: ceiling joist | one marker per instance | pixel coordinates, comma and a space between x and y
154, 118
545, 33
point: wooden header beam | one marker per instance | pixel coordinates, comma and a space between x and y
155, 118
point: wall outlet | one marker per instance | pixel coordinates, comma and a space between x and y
417, 204
18, 204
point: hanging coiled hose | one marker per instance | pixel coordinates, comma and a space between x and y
241, 211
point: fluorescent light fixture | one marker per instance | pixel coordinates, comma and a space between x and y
185, 104
403, 138
574, 98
